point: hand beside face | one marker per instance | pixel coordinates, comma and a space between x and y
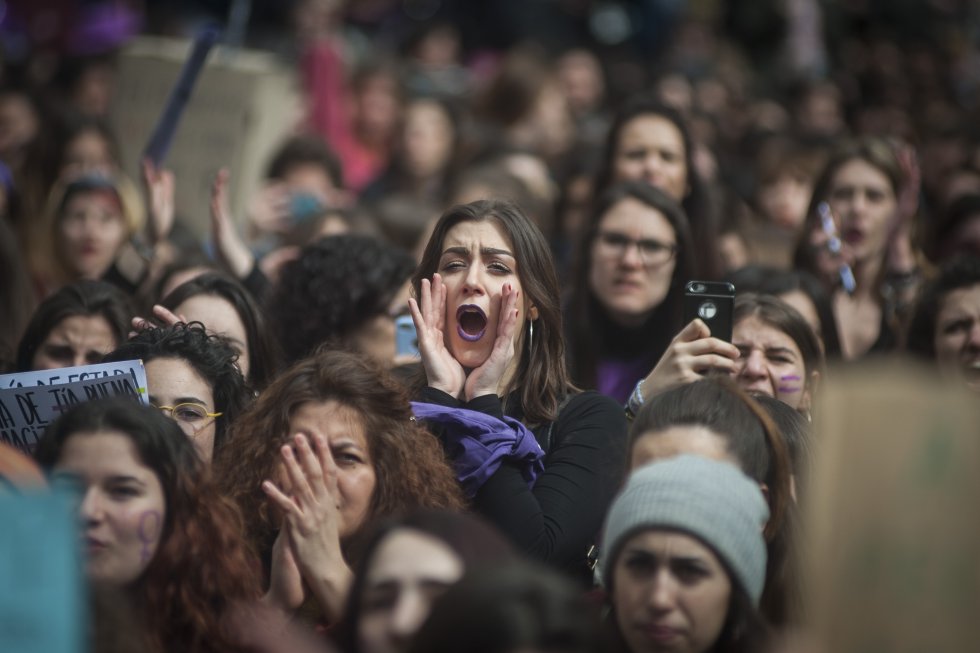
477, 262
343, 430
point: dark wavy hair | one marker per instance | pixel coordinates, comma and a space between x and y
263, 351
335, 286
409, 465
211, 356
696, 203
202, 566
87, 298
541, 377
586, 341
961, 272
470, 537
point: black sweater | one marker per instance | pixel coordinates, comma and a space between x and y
585, 458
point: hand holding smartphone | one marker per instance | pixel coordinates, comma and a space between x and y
714, 303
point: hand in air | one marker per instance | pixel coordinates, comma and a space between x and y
442, 370
691, 354
164, 315
227, 243
485, 379
159, 185
311, 517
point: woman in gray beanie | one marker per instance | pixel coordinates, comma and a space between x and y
684, 559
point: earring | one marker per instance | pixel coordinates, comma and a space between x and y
530, 334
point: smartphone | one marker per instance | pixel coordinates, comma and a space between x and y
714, 303
406, 340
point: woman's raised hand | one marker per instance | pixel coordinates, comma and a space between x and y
312, 520
165, 316
442, 370
227, 243
485, 379
690, 354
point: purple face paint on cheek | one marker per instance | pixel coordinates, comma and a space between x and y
789, 389
149, 531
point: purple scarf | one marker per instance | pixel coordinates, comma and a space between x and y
478, 443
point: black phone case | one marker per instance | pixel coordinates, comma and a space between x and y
714, 303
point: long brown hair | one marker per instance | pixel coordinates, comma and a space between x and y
203, 565
541, 377
585, 338
877, 153
409, 465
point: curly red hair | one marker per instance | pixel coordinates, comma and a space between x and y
409, 464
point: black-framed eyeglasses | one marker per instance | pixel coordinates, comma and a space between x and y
614, 244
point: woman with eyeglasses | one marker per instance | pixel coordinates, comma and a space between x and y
193, 377
628, 287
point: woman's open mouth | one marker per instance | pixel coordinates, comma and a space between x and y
471, 322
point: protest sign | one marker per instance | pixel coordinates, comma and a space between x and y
26, 411
244, 104
134, 369
893, 530
41, 584
29, 401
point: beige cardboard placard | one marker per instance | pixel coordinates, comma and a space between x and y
242, 107
893, 523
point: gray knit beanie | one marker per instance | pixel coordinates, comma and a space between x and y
711, 500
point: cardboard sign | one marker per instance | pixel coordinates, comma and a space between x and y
893, 528
26, 412
29, 401
41, 582
244, 105
134, 369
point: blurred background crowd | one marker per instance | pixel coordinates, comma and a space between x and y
591, 157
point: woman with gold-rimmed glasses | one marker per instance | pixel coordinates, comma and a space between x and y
192, 377
625, 303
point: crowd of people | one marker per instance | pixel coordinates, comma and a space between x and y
436, 389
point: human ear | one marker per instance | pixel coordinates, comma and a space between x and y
810, 390
532, 313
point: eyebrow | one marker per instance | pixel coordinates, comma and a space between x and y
780, 350
670, 557
486, 251
120, 478
181, 400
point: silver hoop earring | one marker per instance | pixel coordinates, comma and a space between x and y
530, 334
